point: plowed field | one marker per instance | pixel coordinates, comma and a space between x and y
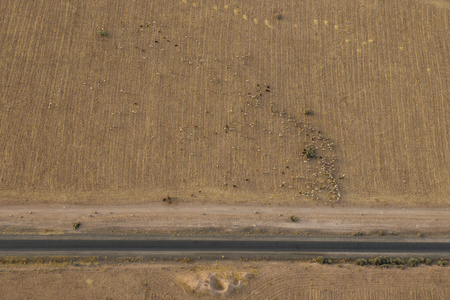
207, 99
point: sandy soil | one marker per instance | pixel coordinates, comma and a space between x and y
196, 218
235, 280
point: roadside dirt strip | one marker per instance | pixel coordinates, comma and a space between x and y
187, 219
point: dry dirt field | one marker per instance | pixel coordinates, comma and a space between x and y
206, 100
244, 280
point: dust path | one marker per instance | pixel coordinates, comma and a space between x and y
199, 218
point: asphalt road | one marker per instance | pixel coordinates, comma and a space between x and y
218, 246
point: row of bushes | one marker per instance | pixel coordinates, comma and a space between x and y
386, 262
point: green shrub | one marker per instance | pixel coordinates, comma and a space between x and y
361, 261
293, 219
103, 32
381, 232
379, 261
397, 261
428, 262
421, 260
442, 263
358, 233
321, 260
412, 262
309, 152
76, 225
279, 17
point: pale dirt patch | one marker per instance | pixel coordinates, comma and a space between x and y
213, 283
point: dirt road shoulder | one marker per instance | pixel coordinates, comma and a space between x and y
196, 218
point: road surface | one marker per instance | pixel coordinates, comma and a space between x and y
219, 246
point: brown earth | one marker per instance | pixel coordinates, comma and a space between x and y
209, 96
236, 280
205, 101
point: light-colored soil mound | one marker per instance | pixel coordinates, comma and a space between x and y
207, 283
207, 100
